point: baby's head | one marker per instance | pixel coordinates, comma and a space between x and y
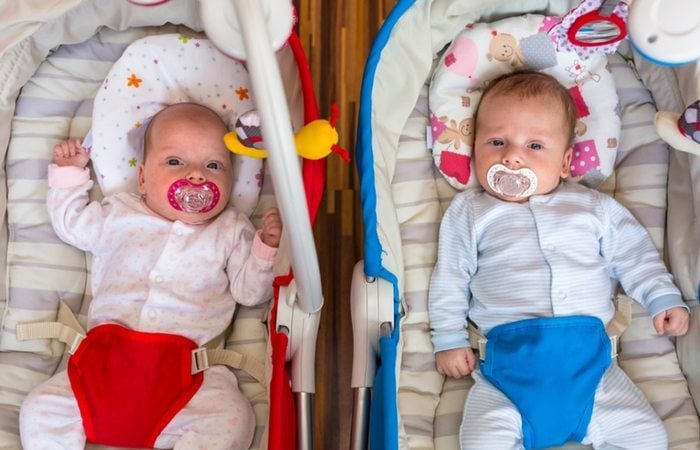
523, 135
187, 173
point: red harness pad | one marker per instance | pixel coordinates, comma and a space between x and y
130, 384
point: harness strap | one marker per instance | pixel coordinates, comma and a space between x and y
203, 358
615, 328
68, 330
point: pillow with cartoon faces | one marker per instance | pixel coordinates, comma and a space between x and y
483, 52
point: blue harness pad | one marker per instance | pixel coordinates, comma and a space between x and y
550, 369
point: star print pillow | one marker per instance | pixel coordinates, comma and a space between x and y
155, 72
484, 51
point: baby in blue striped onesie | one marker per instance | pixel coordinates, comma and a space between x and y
533, 260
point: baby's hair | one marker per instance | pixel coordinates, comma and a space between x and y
147, 138
528, 84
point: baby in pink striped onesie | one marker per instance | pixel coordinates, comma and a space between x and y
168, 265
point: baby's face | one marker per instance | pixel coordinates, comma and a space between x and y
187, 145
528, 133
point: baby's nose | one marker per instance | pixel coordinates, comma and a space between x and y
511, 157
196, 177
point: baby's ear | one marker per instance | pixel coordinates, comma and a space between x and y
566, 163
141, 180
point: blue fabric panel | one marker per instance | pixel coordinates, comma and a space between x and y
384, 426
550, 369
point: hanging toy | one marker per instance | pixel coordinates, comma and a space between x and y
594, 26
666, 32
316, 140
681, 131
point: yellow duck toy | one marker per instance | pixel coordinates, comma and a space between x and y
316, 140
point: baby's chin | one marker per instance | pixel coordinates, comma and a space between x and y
196, 218
513, 199
507, 198
189, 218
541, 190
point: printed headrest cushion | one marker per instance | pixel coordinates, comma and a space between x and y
155, 72
484, 51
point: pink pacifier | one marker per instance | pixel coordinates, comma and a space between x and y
511, 183
186, 196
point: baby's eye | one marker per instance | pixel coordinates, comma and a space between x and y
215, 165
173, 162
535, 146
497, 142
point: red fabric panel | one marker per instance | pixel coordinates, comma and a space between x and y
282, 433
130, 384
283, 424
313, 172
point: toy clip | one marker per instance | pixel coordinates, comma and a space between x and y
316, 140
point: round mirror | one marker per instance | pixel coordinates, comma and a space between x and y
592, 29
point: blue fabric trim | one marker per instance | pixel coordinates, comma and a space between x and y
364, 156
384, 429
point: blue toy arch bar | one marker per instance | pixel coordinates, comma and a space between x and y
383, 433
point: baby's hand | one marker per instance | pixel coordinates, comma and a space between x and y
455, 363
271, 227
672, 322
70, 153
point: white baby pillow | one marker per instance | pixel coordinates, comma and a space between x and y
484, 51
155, 72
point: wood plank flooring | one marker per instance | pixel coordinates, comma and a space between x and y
337, 35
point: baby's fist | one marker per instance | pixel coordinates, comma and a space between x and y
70, 153
455, 363
271, 227
672, 322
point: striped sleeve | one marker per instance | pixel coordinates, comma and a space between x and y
634, 260
449, 294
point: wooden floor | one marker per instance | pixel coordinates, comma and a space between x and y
337, 36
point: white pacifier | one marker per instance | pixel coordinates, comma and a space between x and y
186, 196
511, 183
